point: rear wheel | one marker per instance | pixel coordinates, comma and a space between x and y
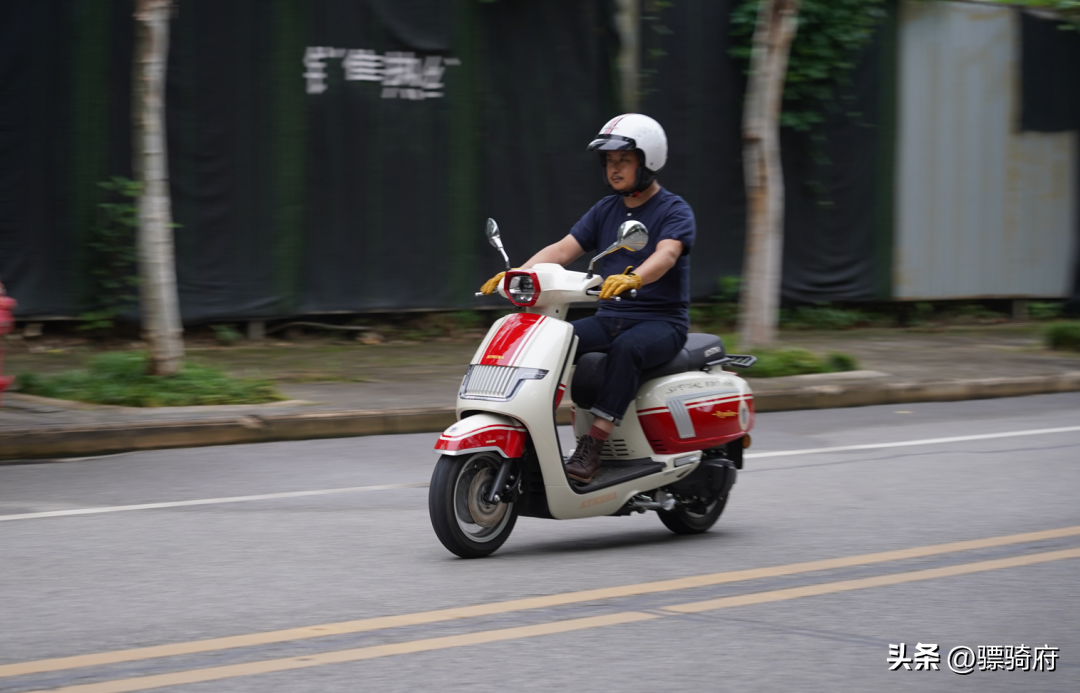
693, 518
466, 524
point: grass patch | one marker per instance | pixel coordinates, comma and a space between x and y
1064, 336
121, 379
775, 363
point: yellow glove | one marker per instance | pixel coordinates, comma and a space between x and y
618, 283
491, 285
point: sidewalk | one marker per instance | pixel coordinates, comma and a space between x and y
897, 367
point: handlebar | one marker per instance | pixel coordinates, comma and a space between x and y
590, 292
596, 292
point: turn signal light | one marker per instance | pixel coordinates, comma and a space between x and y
746, 441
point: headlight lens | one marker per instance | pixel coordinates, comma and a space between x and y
522, 287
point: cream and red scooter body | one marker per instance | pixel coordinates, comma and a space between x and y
515, 383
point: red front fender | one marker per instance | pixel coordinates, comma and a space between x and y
481, 432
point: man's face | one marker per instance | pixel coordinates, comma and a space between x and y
621, 169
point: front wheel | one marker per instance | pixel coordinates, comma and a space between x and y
464, 523
693, 519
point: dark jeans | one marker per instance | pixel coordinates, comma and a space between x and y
632, 346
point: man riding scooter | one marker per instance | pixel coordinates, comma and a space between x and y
650, 330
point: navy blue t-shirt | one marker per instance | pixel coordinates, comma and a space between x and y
666, 216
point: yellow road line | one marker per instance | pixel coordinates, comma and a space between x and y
504, 634
442, 615
877, 581
265, 667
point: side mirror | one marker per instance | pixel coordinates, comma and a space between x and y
632, 236
494, 239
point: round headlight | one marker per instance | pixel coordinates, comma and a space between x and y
523, 288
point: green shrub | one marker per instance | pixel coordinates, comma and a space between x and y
122, 379
1045, 310
715, 316
226, 335
1064, 336
920, 314
775, 363
979, 312
728, 288
111, 254
841, 362
823, 317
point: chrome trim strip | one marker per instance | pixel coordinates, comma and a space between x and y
496, 383
680, 413
469, 451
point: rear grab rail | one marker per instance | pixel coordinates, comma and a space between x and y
736, 360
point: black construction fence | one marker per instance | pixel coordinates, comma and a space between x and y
342, 155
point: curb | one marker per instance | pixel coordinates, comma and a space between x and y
63, 441
839, 396
102, 439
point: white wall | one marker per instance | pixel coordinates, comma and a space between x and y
981, 208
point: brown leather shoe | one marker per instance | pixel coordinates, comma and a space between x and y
585, 462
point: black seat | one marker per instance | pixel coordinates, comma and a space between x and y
699, 350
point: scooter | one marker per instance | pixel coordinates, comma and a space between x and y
676, 451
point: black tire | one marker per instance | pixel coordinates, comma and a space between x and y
683, 520
456, 479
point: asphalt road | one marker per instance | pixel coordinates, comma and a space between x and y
114, 580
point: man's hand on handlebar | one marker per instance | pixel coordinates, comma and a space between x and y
619, 283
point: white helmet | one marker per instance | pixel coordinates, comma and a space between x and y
634, 132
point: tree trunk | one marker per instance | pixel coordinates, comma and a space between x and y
628, 24
160, 305
759, 305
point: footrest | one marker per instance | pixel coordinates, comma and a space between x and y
623, 470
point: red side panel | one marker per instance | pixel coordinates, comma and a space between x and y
716, 421
511, 339
510, 440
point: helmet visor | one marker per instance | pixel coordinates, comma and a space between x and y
610, 143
